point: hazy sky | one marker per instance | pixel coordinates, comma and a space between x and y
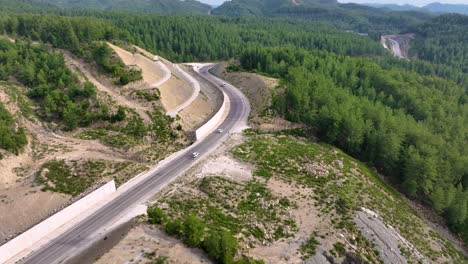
412, 2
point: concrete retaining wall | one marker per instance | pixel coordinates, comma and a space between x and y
209, 126
39, 231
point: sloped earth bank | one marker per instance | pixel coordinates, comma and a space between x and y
150, 70
24, 202
118, 96
259, 90
175, 90
90, 160
204, 107
398, 45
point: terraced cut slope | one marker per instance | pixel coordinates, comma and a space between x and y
178, 92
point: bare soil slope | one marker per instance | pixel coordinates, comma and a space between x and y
93, 153
399, 45
259, 90
20, 196
175, 91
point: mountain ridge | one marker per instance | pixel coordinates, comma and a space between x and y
435, 7
350, 16
143, 6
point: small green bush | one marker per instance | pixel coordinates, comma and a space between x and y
309, 247
194, 229
173, 228
221, 246
156, 215
340, 249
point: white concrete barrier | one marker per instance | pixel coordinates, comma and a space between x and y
27, 239
210, 126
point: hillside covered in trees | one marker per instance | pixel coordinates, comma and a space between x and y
344, 16
406, 119
12, 138
58, 92
185, 38
143, 6
442, 40
410, 127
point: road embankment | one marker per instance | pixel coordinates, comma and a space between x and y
41, 233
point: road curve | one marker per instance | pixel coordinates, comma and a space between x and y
82, 234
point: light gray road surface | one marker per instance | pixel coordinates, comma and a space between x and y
79, 236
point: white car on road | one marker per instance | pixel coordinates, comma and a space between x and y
195, 155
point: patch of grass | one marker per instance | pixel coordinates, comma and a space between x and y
155, 259
75, 177
56, 176
161, 127
308, 248
109, 138
149, 96
133, 131
17, 95
246, 209
340, 249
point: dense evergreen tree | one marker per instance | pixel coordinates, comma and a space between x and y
184, 38
12, 138
411, 127
355, 17
443, 40
58, 92
408, 119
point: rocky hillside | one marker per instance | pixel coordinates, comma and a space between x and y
280, 198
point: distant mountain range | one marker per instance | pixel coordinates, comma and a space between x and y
433, 8
144, 6
264, 7
353, 17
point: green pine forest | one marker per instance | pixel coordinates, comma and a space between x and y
408, 119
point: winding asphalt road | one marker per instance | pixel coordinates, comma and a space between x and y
85, 232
